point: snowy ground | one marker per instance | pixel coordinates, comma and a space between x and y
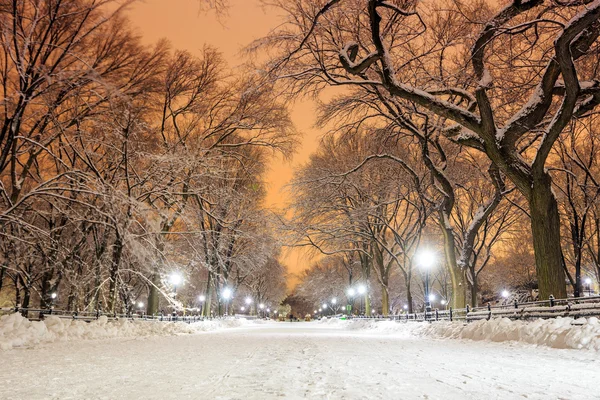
300, 360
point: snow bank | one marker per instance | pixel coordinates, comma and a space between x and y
16, 331
561, 333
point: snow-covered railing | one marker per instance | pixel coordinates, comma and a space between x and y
573, 307
40, 314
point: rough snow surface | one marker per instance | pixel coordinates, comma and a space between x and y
561, 333
16, 331
305, 360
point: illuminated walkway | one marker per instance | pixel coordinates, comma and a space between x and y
300, 360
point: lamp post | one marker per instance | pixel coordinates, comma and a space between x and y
226, 295
351, 293
426, 259
261, 306
141, 307
202, 299
176, 279
588, 282
53, 297
362, 289
334, 304
248, 302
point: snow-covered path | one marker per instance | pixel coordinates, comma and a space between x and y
300, 360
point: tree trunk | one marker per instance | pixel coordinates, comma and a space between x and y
114, 274
474, 290
385, 301
457, 275
545, 227
2, 272
208, 301
409, 298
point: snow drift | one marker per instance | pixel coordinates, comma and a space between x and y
561, 333
16, 331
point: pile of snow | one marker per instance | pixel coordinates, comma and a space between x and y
16, 331
561, 333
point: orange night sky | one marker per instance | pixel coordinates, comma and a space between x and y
186, 27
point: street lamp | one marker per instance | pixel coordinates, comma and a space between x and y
362, 289
588, 282
226, 295
261, 306
243, 308
202, 299
176, 279
351, 292
141, 307
426, 259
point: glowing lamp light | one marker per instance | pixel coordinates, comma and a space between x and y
505, 294
333, 301
226, 293
243, 308
268, 310
53, 295
351, 292
324, 306
202, 298
588, 281
431, 297
362, 289
315, 311
426, 258
443, 302
261, 306
175, 279
248, 300
140, 305
405, 306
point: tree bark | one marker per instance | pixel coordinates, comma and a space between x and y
457, 275
545, 226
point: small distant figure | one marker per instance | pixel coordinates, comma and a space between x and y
291, 317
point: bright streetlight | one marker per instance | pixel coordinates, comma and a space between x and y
226, 295
176, 279
588, 282
243, 308
362, 289
333, 301
53, 295
426, 260
505, 294
202, 299
140, 305
431, 297
405, 306
351, 292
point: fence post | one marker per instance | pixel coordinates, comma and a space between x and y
436, 314
450, 314
489, 307
516, 304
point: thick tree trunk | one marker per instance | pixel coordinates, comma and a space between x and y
208, 301
114, 274
474, 290
385, 301
152, 308
457, 275
409, 298
545, 227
